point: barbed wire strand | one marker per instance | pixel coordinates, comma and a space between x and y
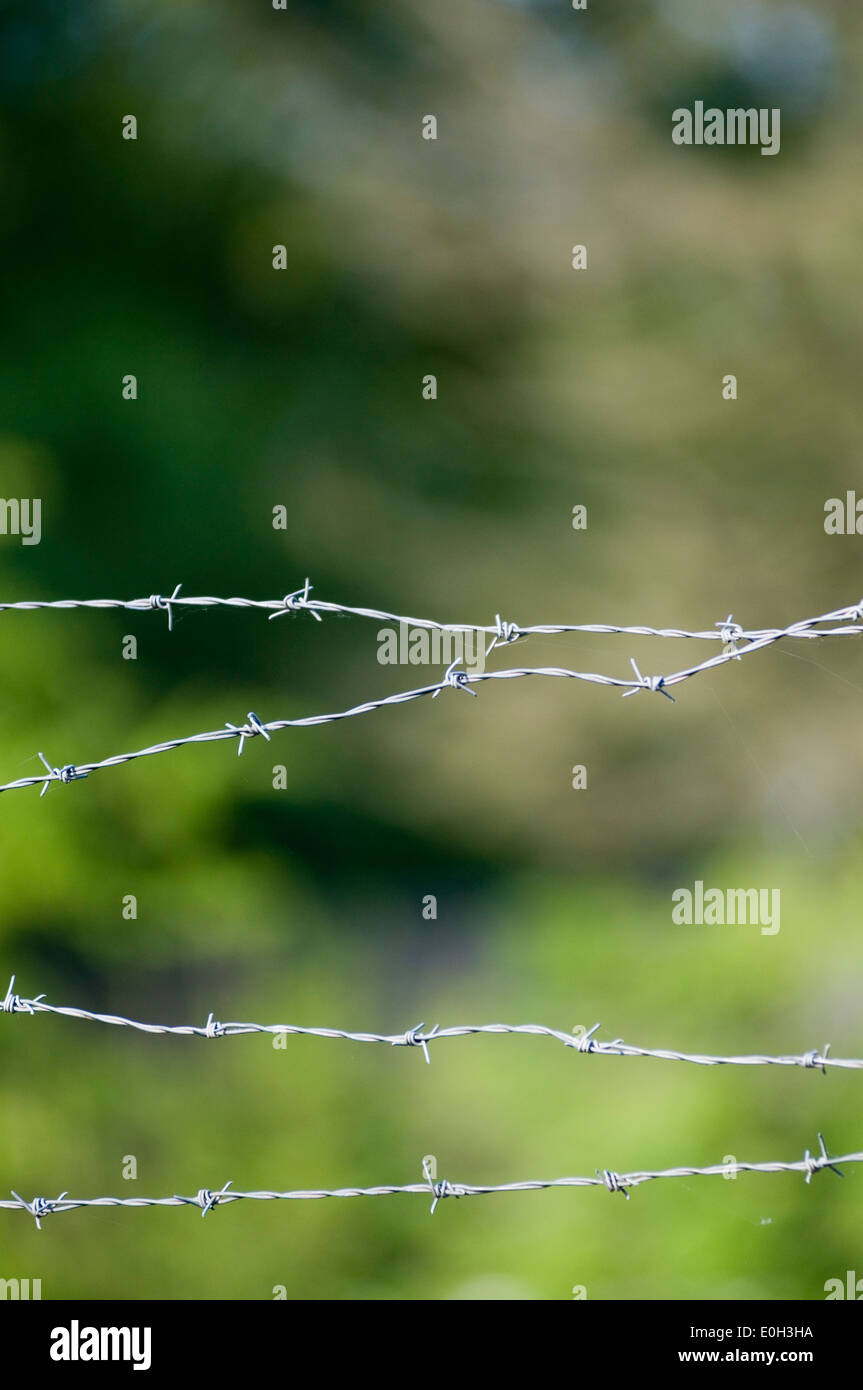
725, 631
453, 677
439, 1189
584, 1041
300, 602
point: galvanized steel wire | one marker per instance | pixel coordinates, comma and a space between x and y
737, 641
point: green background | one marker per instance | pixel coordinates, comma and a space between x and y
302, 388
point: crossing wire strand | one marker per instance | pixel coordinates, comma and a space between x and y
726, 631
729, 633
505, 633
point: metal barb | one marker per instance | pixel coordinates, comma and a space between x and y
297, 602
584, 1043
13, 1004
457, 679
40, 1206
250, 729
208, 1200
613, 1181
654, 683
165, 604
817, 1059
730, 634
819, 1161
440, 1187
504, 633
414, 1037
69, 773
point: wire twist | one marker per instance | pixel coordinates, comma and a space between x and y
206, 1200
586, 1042
501, 632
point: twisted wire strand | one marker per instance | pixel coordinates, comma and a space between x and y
416, 1037
206, 1199
725, 631
453, 677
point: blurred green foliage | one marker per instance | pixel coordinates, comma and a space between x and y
302, 388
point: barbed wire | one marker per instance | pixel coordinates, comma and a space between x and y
439, 1188
729, 633
583, 1041
453, 677
502, 632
